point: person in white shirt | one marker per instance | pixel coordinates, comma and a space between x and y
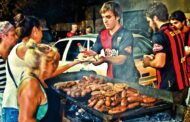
7, 41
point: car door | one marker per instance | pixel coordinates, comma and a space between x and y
69, 50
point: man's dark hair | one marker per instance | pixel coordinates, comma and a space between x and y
178, 15
112, 6
89, 28
157, 9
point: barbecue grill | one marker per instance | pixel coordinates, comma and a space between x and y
162, 105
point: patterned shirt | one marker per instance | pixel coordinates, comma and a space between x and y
2, 75
173, 76
187, 43
121, 43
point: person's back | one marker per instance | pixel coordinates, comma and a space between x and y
173, 74
36, 100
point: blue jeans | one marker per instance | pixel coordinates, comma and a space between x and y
1, 99
9, 115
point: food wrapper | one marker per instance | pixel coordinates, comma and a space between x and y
86, 58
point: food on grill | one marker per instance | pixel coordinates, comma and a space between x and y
119, 87
87, 58
124, 102
99, 103
81, 87
63, 85
134, 99
109, 93
108, 101
92, 103
147, 99
96, 92
117, 109
115, 102
106, 97
133, 105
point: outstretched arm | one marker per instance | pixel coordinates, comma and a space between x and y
120, 59
62, 69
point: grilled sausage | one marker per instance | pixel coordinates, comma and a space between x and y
124, 102
99, 103
101, 108
88, 90
69, 92
132, 94
133, 105
149, 100
112, 98
83, 93
134, 99
92, 103
77, 94
123, 94
117, 109
91, 99
115, 102
108, 101
95, 93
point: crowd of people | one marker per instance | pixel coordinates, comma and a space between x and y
29, 31
24, 67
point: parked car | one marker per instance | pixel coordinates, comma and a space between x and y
68, 50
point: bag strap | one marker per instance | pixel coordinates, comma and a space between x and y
9, 70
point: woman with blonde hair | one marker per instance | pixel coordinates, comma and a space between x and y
35, 99
29, 31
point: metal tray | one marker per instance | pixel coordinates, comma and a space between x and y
82, 101
128, 114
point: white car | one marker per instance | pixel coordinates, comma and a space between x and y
68, 50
